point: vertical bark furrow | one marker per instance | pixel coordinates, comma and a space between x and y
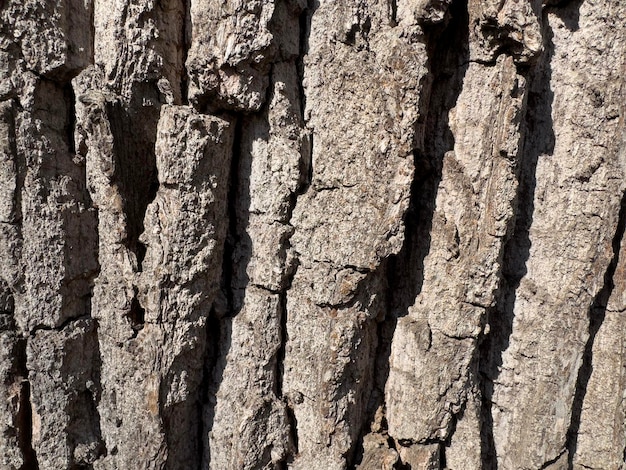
268, 178
478, 147
193, 153
567, 255
49, 244
597, 315
538, 139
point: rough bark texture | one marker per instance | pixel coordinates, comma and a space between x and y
311, 234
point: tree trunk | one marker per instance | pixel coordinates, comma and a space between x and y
312, 235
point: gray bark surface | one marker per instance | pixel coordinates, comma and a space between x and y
312, 235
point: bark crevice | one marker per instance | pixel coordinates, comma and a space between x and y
538, 139
596, 315
25, 413
134, 134
402, 275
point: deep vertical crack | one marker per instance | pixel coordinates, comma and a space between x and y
218, 335
442, 455
393, 12
70, 121
305, 168
304, 21
96, 393
19, 160
185, 44
280, 354
447, 48
225, 306
537, 137
18, 375
92, 33
597, 313
25, 412
234, 234
134, 127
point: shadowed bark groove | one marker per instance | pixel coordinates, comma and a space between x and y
530, 370
597, 313
25, 417
136, 173
447, 49
538, 140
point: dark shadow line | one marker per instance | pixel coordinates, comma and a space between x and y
186, 35
448, 59
538, 139
134, 138
305, 168
232, 285
25, 413
597, 314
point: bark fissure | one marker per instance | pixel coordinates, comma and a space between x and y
403, 273
597, 313
233, 238
70, 99
60, 327
280, 354
538, 139
185, 42
226, 306
393, 12
25, 414
135, 165
212, 372
304, 30
25, 430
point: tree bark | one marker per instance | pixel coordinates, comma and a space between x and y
306, 234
